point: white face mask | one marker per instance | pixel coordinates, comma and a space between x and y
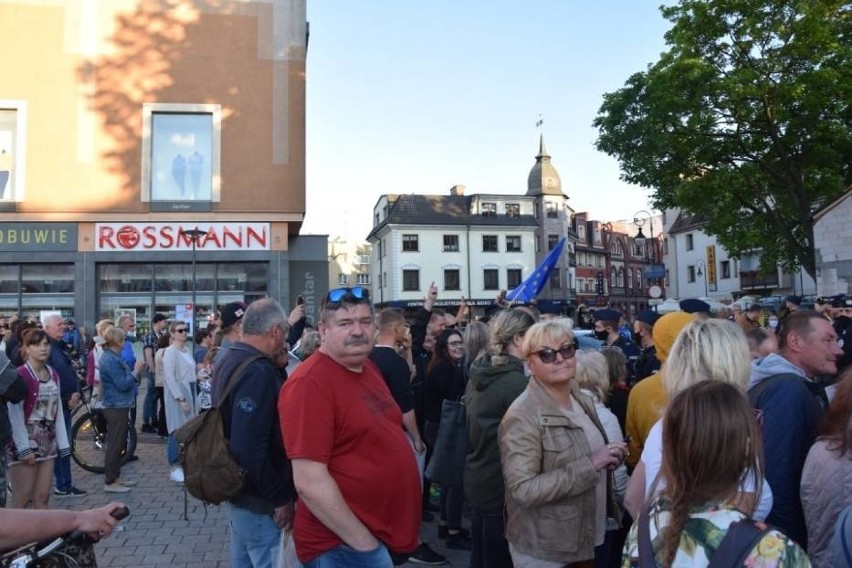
773, 323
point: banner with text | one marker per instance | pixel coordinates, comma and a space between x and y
116, 237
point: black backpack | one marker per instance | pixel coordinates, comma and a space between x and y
211, 473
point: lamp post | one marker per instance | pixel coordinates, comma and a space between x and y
702, 270
639, 219
193, 235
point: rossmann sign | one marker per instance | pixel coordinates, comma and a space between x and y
172, 236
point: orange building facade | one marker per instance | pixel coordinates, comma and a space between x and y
152, 153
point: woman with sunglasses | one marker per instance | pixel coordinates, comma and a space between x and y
557, 462
179, 381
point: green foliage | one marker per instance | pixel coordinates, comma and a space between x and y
745, 121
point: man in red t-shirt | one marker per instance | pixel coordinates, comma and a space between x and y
352, 464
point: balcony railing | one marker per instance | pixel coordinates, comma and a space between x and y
754, 279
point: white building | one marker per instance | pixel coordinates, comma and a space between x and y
833, 246
471, 246
697, 266
348, 263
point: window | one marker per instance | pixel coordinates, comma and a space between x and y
381, 281
555, 280
513, 210
666, 246
363, 259
513, 278
629, 280
384, 279
452, 281
376, 221
552, 241
612, 278
410, 280
12, 146
181, 147
581, 231
489, 243
490, 279
639, 279
621, 277
363, 278
689, 242
597, 235
384, 247
513, 243
451, 243
489, 209
342, 279
725, 267
600, 260
552, 210
690, 273
410, 243
617, 249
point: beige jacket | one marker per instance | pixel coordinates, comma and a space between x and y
549, 477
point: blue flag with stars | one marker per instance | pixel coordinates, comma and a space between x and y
532, 286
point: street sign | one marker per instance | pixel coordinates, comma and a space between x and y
655, 291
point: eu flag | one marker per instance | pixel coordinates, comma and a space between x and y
532, 286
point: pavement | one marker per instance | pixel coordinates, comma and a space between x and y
158, 534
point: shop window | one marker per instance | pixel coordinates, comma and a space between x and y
12, 147
47, 278
181, 147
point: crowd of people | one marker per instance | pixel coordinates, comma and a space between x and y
673, 440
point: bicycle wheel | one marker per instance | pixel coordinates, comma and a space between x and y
88, 442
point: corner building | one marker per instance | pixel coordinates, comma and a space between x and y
127, 125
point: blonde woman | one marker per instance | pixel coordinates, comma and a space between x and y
556, 461
179, 380
93, 368
715, 350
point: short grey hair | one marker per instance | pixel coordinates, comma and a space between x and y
262, 315
48, 319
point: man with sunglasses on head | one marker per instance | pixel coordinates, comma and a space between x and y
353, 466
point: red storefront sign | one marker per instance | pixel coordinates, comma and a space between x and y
171, 236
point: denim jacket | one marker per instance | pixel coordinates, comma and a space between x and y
117, 380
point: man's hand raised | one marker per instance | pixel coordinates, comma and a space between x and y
431, 296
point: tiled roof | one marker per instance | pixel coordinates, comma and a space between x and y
687, 222
444, 210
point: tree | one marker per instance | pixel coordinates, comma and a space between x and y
745, 121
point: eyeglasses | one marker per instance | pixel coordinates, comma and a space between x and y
355, 294
181, 330
455, 343
548, 355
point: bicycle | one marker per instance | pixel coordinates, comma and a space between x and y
89, 436
70, 549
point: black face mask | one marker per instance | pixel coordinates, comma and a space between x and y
843, 322
637, 337
602, 335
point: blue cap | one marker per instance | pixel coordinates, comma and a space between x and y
694, 305
648, 316
607, 315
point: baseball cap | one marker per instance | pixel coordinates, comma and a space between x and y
232, 313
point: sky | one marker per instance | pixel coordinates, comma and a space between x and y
415, 97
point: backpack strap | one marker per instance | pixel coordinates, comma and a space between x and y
236, 375
646, 549
741, 538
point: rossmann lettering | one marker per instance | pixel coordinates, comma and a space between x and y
166, 236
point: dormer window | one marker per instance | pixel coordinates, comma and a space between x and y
489, 209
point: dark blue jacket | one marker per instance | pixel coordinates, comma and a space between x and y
790, 410
250, 421
69, 382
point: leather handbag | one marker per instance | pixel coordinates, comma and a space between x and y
446, 467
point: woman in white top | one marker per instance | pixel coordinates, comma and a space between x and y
179, 382
715, 350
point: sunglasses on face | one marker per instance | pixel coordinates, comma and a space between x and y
548, 355
355, 294
181, 330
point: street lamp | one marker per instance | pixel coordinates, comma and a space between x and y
193, 235
639, 219
702, 270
